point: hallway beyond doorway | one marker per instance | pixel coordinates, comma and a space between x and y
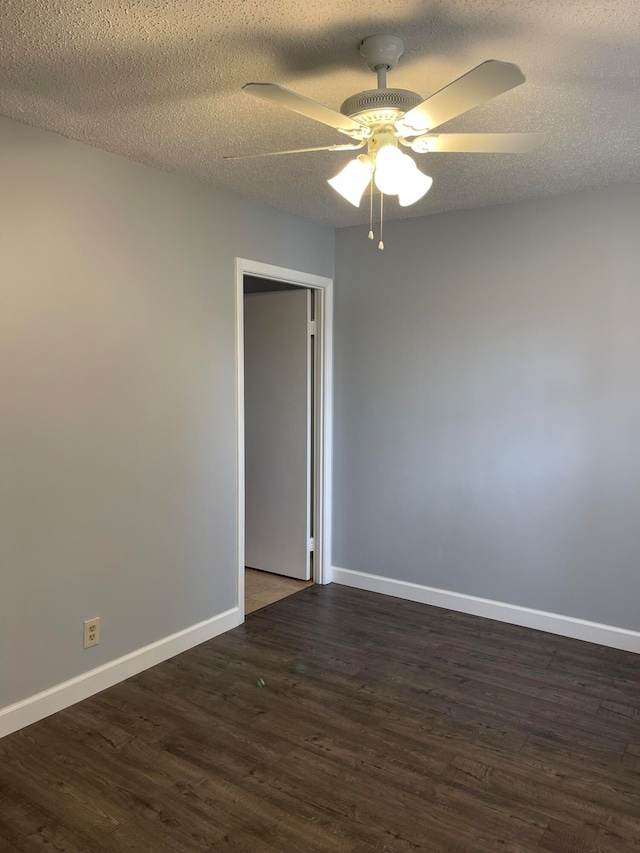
263, 588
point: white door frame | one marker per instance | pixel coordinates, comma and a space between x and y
324, 415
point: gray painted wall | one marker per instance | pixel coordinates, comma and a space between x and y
487, 411
117, 399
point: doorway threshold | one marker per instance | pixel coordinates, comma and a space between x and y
262, 589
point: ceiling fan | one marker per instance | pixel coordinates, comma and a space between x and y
386, 120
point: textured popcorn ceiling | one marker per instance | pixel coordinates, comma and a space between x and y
160, 82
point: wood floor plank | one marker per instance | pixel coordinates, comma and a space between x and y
340, 721
241, 841
395, 802
294, 825
141, 834
528, 679
557, 797
534, 710
562, 838
29, 774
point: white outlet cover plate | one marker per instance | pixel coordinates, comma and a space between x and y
91, 633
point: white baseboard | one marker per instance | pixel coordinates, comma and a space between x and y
41, 705
553, 623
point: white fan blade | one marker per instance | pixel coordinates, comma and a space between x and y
347, 147
306, 107
478, 143
481, 84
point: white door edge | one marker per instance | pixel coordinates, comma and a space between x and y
324, 449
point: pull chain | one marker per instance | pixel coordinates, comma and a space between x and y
371, 207
381, 244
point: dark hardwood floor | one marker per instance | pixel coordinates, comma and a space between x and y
380, 725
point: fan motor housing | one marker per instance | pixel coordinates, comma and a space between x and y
377, 106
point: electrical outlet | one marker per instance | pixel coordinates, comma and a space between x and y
91, 632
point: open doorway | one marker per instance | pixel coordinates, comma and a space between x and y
279, 435
284, 439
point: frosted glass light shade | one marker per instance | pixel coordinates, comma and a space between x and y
352, 181
413, 189
397, 174
389, 168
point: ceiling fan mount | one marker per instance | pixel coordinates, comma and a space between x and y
383, 51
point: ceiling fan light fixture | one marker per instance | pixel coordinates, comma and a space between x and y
352, 181
384, 119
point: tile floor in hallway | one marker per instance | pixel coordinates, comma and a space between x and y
263, 588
